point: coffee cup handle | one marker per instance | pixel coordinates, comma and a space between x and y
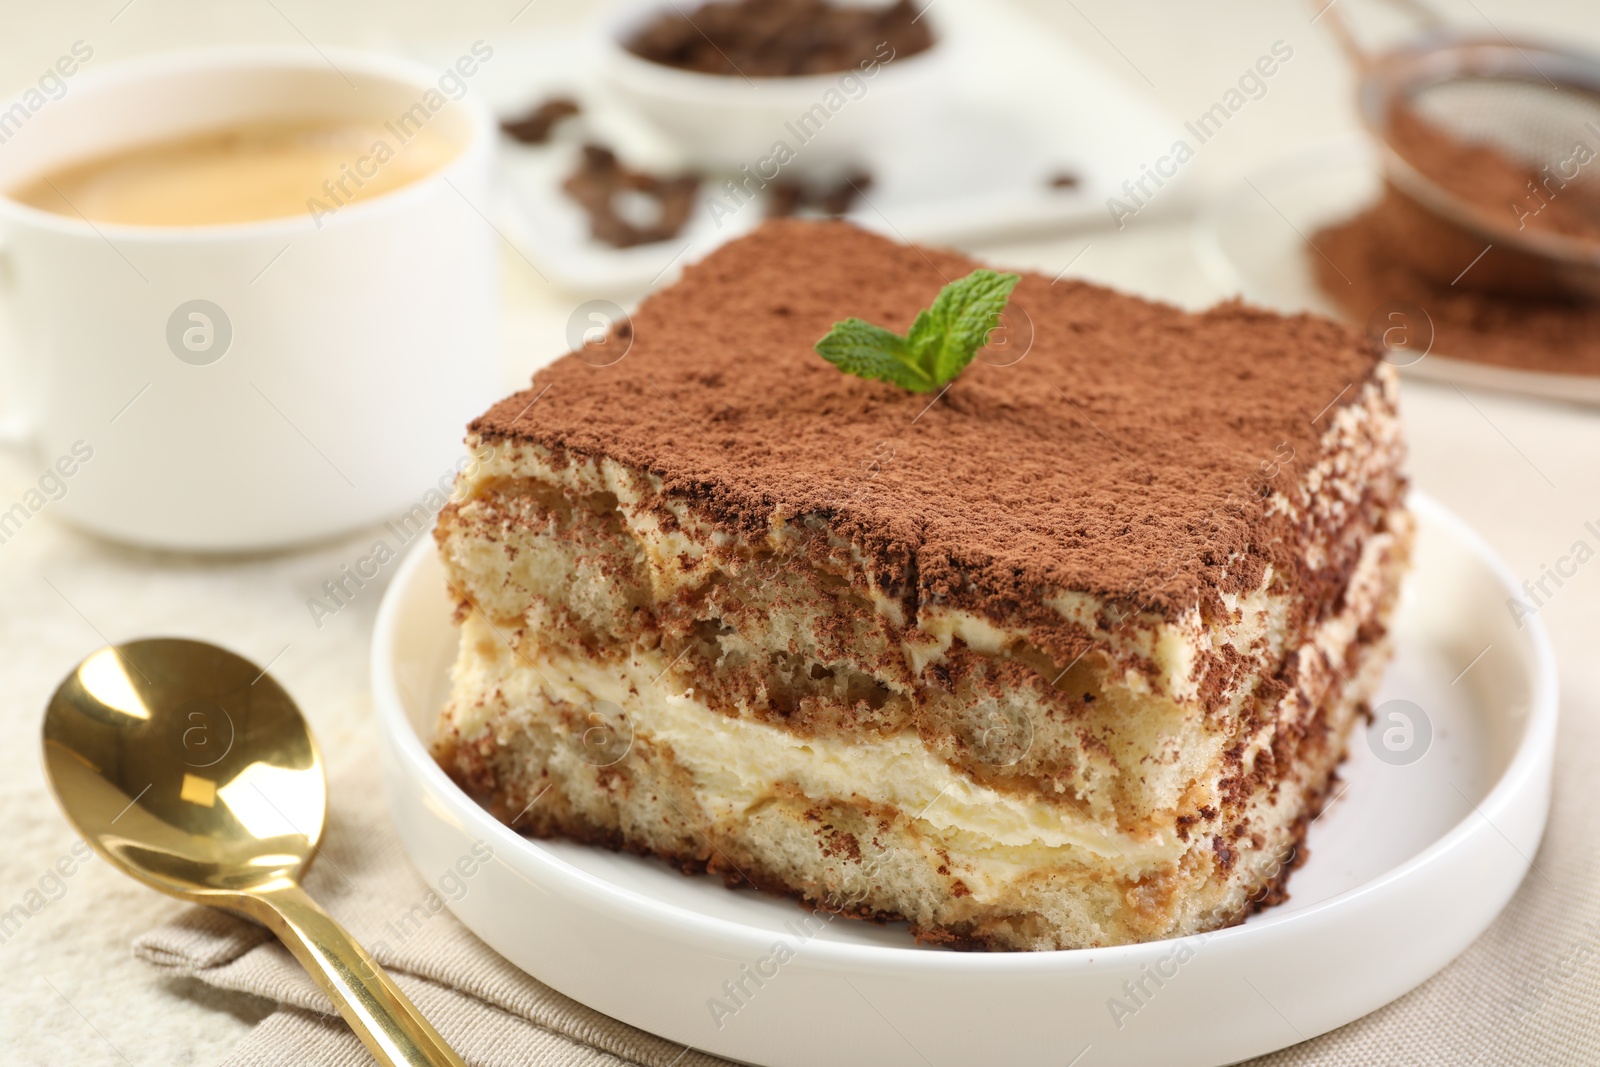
16, 428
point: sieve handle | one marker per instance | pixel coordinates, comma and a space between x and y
1327, 12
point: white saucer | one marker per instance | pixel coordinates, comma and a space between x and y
1407, 867
1252, 241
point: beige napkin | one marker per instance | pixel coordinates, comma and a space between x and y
1525, 993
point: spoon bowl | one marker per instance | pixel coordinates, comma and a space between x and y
188, 767
191, 769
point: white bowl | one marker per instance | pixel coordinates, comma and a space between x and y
728, 122
1409, 865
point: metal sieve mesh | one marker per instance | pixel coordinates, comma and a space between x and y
1534, 122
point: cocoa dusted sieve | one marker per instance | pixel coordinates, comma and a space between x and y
1496, 144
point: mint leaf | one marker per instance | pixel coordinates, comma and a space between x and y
947, 335
867, 351
942, 340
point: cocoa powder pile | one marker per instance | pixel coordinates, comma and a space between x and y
1496, 306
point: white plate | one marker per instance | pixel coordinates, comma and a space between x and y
1408, 866
1026, 105
1252, 241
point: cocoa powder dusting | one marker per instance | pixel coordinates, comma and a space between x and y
1370, 261
1125, 455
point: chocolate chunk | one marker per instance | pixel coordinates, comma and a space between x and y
535, 127
789, 198
601, 179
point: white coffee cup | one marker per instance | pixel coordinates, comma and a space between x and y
245, 386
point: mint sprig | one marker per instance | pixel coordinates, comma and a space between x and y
942, 340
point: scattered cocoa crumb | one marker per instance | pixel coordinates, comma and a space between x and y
535, 127
781, 38
788, 198
1064, 180
601, 178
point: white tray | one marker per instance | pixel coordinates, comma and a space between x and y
1409, 864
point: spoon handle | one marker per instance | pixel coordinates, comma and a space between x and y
391, 1027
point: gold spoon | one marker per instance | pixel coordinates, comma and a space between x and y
192, 770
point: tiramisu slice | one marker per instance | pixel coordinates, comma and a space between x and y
1062, 655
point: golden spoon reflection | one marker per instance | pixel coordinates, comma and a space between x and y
192, 770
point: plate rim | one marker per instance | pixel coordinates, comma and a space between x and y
629, 906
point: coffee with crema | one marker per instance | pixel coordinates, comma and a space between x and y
243, 173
